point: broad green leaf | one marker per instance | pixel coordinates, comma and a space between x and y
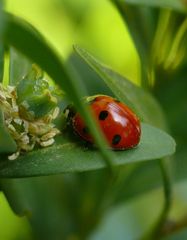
7, 144
142, 102
69, 157
27, 40
171, 4
19, 66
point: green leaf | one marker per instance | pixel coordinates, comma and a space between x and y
27, 40
142, 102
7, 144
171, 4
70, 157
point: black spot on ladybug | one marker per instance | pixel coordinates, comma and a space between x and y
103, 115
116, 139
117, 101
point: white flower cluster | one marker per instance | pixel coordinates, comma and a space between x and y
26, 133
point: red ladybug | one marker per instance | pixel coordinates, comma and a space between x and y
119, 124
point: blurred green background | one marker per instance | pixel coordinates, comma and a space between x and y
94, 24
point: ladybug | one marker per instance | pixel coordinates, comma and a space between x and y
119, 124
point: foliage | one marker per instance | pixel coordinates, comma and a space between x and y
72, 203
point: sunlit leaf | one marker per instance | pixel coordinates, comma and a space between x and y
70, 157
